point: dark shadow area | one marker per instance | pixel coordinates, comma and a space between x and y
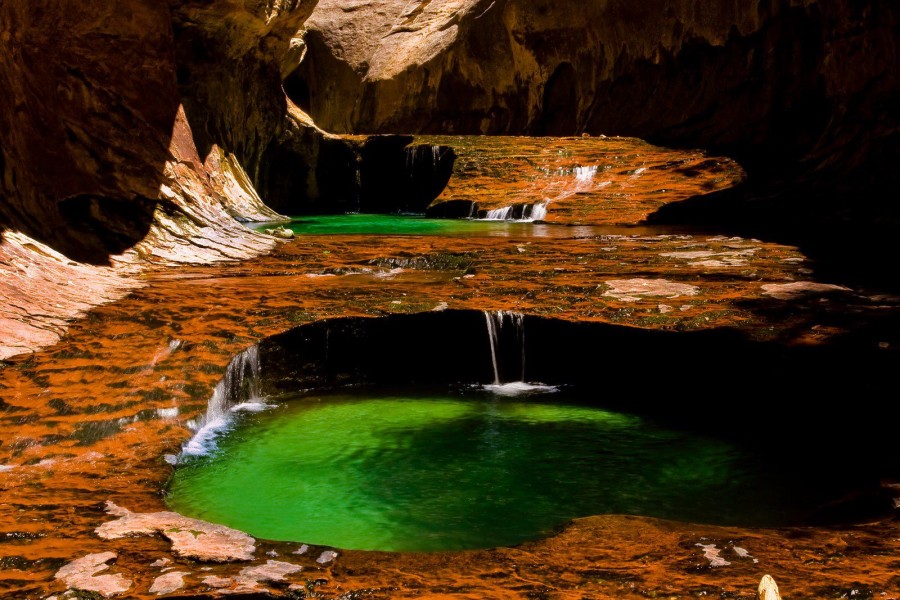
312, 174
396, 176
104, 226
716, 376
558, 113
307, 174
297, 90
453, 209
801, 405
84, 147
845, 225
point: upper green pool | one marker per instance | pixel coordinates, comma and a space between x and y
378, 224
442, 472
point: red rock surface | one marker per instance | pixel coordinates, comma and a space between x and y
90, 419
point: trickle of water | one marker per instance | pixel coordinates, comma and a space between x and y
492, 336
238, 390
585, 173
495, 321
161, 354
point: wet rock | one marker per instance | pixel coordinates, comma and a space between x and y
214, 581
162, 562
632, 290
327, 557
280, 232
273, 570
799, 289
713, 555
191, 538
81, 574
768, 589
168, 583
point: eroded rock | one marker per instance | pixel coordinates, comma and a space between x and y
768, 589
713, 555
799, 289
191, 538
632, 290
273, 570
168, 583
81, 574
218, 582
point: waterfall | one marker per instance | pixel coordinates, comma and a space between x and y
492, 337
418, 154
539, 211
498, 214
495, 324
238, 390
506, 334
520, 213
585, 174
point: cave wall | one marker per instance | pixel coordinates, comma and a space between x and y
768, 81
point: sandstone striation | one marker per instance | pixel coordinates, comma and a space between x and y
125, 132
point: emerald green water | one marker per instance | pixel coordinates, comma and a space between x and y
378, 224
417, 473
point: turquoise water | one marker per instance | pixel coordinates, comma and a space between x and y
444, 472
377, 224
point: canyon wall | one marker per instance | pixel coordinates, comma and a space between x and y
138, 132
768, 79
804, 93
125, 130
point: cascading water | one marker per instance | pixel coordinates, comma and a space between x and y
583, 181
505, 345
525, 213
238, 390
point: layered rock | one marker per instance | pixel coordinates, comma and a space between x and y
101, 174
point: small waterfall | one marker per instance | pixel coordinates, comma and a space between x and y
492, 329
585, 174
238, 390
520, 213
495, 326
539, 211
499, 214
506, 334
526, 213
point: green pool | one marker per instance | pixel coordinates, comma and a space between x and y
441, 472
378, 224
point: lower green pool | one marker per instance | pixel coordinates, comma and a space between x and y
445, 472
